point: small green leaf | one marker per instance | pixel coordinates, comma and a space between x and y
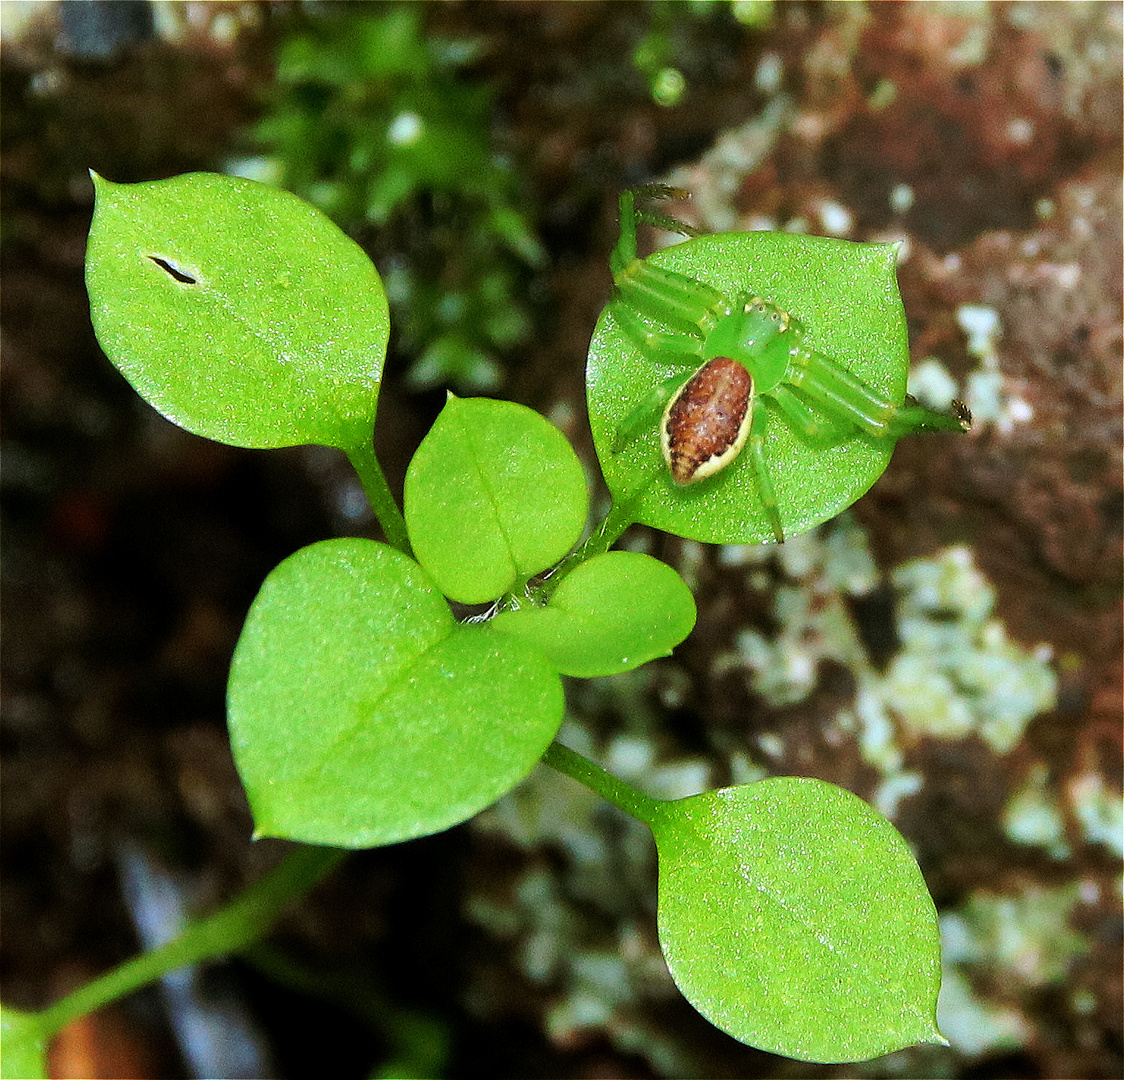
237, 310
361, 713
610, 614
847, 298
493, 495
794, 917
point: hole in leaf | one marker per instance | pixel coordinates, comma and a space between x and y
173, 270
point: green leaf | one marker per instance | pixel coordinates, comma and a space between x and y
25, 1044
240, 312
847, 297
493, 495
610, 614
361, 713
794, 917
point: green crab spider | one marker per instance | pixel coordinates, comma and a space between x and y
742, 351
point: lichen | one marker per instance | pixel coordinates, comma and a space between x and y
1024, 938
1100, 811
958, 673
931, 383
592, 969
992, 398
1010, 944
1034, 817
974, 1025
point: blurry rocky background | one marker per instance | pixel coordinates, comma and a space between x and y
950, 649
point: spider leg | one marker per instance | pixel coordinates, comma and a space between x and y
839, 392
645, 416
669, 345
674, 300
815, 424
842, 395
756, 446
631, 217
913, 416
625, 251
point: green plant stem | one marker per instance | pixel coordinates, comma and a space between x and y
242, 921
599, 541
605, 784
371, 476
616, 521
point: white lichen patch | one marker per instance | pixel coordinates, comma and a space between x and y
975, 1026
982, 326
633, 760
895, 788
835, 218
991, 397
1033, 816
901, 198
955, 676
874, 727
814, 624
1100, 811
958, 673
1013, 945
932, 385
781, 674
1025, 939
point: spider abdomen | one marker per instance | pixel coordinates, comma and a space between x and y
706, 423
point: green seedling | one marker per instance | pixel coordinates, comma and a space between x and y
363, 712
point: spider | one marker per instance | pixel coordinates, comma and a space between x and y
742, 351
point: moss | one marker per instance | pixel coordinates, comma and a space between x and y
373, 120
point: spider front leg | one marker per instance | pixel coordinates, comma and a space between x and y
668, 299
631, 217
842, 396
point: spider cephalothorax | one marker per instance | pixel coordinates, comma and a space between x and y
741, 353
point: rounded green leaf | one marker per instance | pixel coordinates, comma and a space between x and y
237, 310
847, 297
493, 495
610, 614
793, 916
361, 713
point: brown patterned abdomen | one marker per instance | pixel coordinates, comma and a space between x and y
705, 425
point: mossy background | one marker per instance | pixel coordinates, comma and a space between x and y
950, 649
